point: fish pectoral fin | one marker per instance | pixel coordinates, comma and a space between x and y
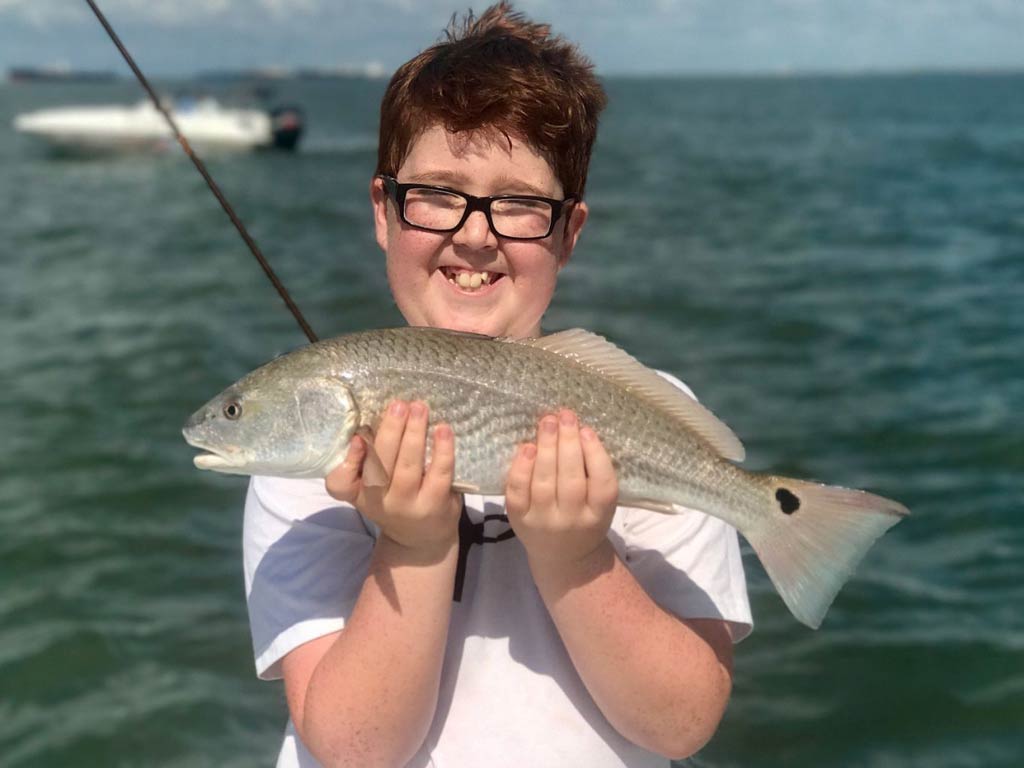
374, 474
652, 504
460, 486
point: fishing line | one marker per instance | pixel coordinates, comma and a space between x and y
253, 248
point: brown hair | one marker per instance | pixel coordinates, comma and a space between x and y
501, 72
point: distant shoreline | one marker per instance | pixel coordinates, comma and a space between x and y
59, 75
27, 74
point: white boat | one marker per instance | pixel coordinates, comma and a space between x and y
204, 122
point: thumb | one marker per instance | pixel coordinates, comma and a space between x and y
343, 482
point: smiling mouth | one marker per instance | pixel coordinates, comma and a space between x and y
470, 280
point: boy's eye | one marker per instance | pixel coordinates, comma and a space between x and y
516, 205
434, 197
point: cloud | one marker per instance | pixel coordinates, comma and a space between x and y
161, 12
180, 12
620, 36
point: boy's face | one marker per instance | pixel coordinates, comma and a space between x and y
516, 278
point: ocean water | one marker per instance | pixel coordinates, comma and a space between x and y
835, 265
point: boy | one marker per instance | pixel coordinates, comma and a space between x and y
572, 633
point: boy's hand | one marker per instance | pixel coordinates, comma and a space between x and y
561, 493
417, 507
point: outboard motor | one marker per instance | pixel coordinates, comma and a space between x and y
286, 124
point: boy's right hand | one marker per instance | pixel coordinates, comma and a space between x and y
416, 508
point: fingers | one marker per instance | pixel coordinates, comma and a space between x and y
389, 434
560, 494
517, 484
408, 463
566, 471
571, 486
343, 481
559, 477
543, 488
374, 474
602, 482
439, 475
550, 475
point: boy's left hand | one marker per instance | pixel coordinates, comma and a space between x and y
561, 492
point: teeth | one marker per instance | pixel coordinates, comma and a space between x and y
470, 280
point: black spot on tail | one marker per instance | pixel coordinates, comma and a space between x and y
787, 500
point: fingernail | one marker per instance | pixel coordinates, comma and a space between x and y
549, 424
397, 408
442, 432
417, 410
529, 450
568, 418
586, 433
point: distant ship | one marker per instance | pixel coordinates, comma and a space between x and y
204, 122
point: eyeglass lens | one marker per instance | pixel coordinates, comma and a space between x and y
512, 217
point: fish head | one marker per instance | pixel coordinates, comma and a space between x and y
279, 424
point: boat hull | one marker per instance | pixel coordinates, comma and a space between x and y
206, 125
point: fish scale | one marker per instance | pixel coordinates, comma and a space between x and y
496, 394
295, 416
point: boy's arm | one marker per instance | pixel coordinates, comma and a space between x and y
366, 695
663, 683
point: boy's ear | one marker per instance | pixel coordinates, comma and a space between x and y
573, 227
379, 201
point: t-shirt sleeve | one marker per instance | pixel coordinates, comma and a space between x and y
306, 556
689, 563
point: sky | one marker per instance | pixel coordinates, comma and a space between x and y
179, 37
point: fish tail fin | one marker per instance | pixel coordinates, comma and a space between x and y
815, 537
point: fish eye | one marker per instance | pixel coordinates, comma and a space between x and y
232, 410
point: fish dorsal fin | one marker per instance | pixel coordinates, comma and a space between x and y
601, 355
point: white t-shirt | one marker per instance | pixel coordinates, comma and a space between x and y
509, 695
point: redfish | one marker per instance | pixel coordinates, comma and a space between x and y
295, 416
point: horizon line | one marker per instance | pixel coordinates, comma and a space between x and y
272, 72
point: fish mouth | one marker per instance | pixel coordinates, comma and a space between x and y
214, 461
217, 459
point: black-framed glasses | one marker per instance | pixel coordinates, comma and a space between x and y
440, 209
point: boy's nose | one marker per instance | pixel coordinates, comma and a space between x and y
475, 232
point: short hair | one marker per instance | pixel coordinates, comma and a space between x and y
501, 72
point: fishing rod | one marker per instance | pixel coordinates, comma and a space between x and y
201, 167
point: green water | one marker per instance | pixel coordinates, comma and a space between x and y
835, 265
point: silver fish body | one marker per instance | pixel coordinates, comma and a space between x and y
295, 416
